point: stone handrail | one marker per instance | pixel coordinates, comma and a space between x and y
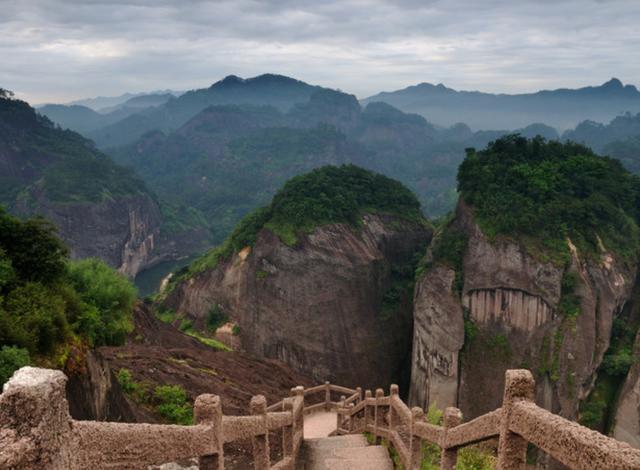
36, 430
518, 422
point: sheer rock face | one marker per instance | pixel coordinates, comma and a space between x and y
510, 300
438, 337
123, 232
626, 417
94, 393
317, 306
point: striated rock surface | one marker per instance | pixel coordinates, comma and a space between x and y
94, 393
318, 305
99, 208
438, 337
509, 309
626, 418
124, 232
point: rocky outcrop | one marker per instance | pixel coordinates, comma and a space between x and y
626, 419
94, 393
124, 232
438, 337
509, 309
318, 305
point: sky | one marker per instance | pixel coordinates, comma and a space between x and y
60, 50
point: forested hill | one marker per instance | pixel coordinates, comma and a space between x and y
100, 208
552, 191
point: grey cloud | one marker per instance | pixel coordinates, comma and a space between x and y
56, 50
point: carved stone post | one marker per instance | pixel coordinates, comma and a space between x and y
327, 396
393, 414
35, 426
207, 410
449, 457
258, 407
299, 394
352, 418
512, 448
367, 410
377, 424
417, 416
287, 431
341, 408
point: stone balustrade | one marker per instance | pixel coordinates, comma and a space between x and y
37, 432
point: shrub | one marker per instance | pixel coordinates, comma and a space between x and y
110, 294
172, 404
235, 330
34, 318
12, 358
216, 317
125, 379
35, 252
186, 325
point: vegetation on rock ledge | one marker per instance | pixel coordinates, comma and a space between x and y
47, 300
323, 196
551, 191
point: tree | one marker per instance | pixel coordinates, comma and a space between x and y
110, 297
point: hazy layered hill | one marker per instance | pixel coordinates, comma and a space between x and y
85, 120
100, 209
230, 159
268, 89
561, 108
619, 139
101, 103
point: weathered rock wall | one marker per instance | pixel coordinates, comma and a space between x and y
124, 232
317, 306
509, 308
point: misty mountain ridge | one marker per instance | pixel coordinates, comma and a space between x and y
100, 103
561, 108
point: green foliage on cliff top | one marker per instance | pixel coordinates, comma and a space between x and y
331, 194
45, 299
550, 191
61, 162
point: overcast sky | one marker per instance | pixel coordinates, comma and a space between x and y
58, 50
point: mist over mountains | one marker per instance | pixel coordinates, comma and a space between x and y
562, 108
219, 152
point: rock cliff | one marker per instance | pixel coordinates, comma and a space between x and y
506, 311
99, 208
319, 305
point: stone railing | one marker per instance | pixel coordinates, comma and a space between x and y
518, 422
36, 431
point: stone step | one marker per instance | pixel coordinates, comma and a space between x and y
334, 442
350, 452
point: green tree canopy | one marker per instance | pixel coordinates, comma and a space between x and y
550, 191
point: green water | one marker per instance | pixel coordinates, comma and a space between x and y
148, 281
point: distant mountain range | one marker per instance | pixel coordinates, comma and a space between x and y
562, 108
102, 103
223, 150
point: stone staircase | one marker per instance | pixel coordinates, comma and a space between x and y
350, 452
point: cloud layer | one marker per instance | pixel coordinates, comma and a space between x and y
58, 50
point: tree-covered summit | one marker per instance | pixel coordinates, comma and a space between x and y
550, 191
326, 195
